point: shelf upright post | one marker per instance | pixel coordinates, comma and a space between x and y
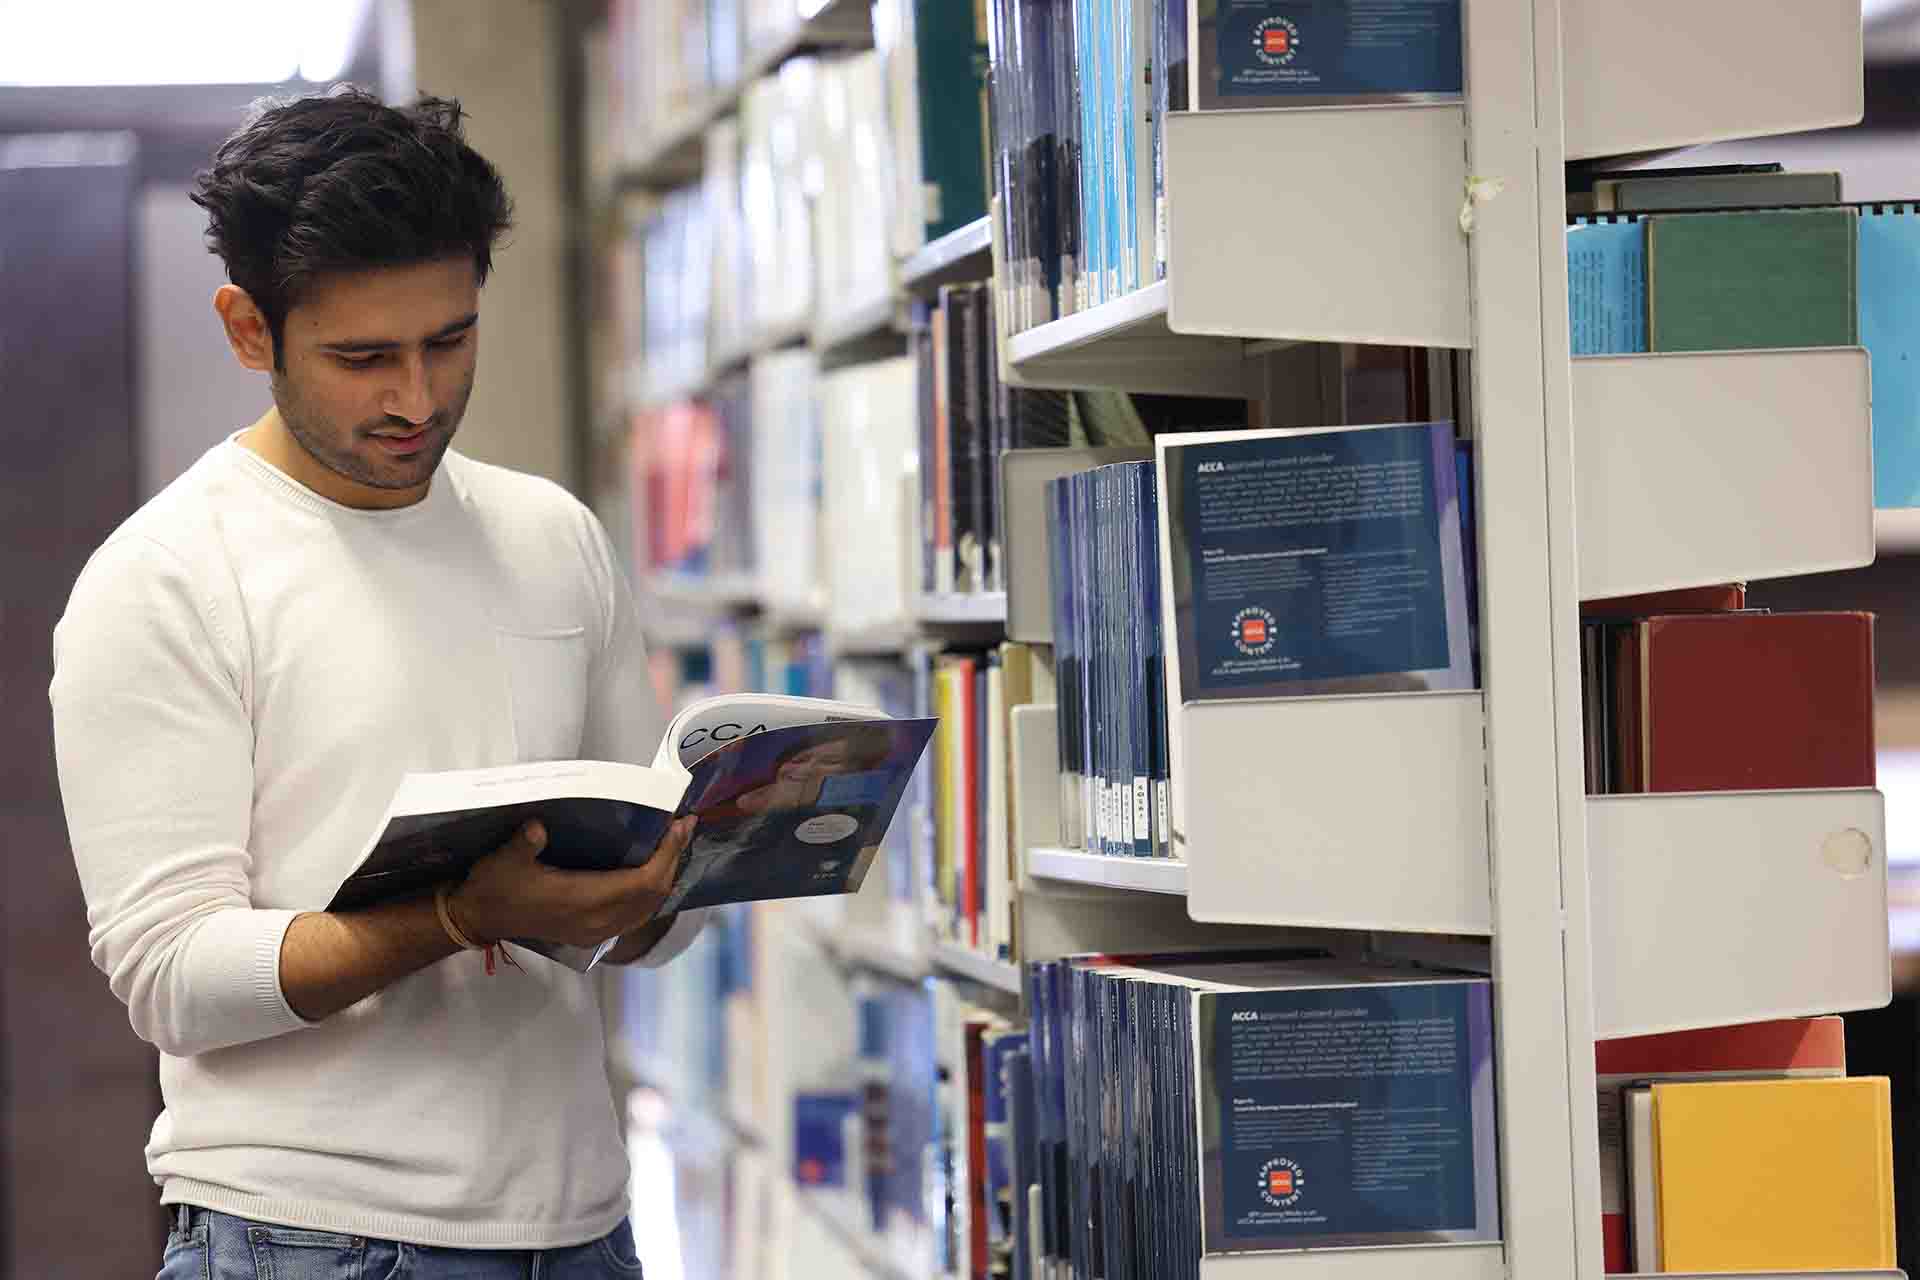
1530, 640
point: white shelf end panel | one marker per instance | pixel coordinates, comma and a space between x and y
1359, 812
1713, 908
1345, 229
1724, 466
1641, 75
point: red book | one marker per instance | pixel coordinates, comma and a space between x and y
1756, 1050
977, 1148
1749, 701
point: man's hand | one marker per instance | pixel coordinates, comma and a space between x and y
511, 894
330, 961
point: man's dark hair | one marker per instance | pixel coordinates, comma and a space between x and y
343, 182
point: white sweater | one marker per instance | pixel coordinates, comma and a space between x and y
243, 673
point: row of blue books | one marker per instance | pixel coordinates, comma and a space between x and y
1103, 547
1173, 1107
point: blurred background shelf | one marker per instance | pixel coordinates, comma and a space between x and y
960, 255
1001, 975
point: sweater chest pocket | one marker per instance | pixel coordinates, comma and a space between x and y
546, 671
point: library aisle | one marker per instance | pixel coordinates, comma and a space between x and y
1403, 513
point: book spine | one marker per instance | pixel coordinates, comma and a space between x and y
1066, 174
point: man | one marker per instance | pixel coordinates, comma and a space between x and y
327, 600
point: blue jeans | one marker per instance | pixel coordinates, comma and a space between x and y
216, 1246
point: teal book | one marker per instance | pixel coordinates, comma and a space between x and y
1734, 281
1607, 287
950, 42
1890, 331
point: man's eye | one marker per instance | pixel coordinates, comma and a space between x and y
448, 344
360, 362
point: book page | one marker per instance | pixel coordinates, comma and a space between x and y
712, 723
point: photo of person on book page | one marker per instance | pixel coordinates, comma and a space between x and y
328, 600
829, 795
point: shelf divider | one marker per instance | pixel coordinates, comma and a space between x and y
1711, 908
1692, 469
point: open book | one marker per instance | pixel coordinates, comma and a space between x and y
792, 797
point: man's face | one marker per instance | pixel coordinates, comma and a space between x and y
377, 367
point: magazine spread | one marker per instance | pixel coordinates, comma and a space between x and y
792, 797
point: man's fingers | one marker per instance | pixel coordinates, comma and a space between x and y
527, 842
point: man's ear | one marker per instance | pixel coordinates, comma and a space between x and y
246, 327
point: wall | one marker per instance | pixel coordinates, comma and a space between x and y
499, 58
192, 392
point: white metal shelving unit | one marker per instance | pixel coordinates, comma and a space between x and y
1596, 477
1444, 226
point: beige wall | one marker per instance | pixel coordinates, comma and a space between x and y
498, 58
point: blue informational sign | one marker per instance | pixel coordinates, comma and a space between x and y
1350, 1115
1284, 51
1309, 559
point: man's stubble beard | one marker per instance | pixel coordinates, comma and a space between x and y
316, 441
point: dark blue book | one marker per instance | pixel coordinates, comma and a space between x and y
1294, 53
996, 1047
820, 1138
1023, 1107
1316, 562
791, 798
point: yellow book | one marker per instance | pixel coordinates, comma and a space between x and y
946, 760
1774, 1175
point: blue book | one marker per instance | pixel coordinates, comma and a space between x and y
819, 1138
1023, 1111
1607, 287
1890, 331
1318, 562
996, 1046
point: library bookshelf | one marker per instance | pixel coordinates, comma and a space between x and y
1460, 821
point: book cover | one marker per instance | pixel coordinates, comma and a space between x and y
1302, 1150
819, 1137
1607, 288
1747, 701
1890, 331
1728, 281
1831, 1140
1654, 190
1314, 562
1783, 1048
1294, 53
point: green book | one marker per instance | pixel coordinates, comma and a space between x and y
950, 40
1726, 281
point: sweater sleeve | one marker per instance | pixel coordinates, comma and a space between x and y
624, 722
155, 753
